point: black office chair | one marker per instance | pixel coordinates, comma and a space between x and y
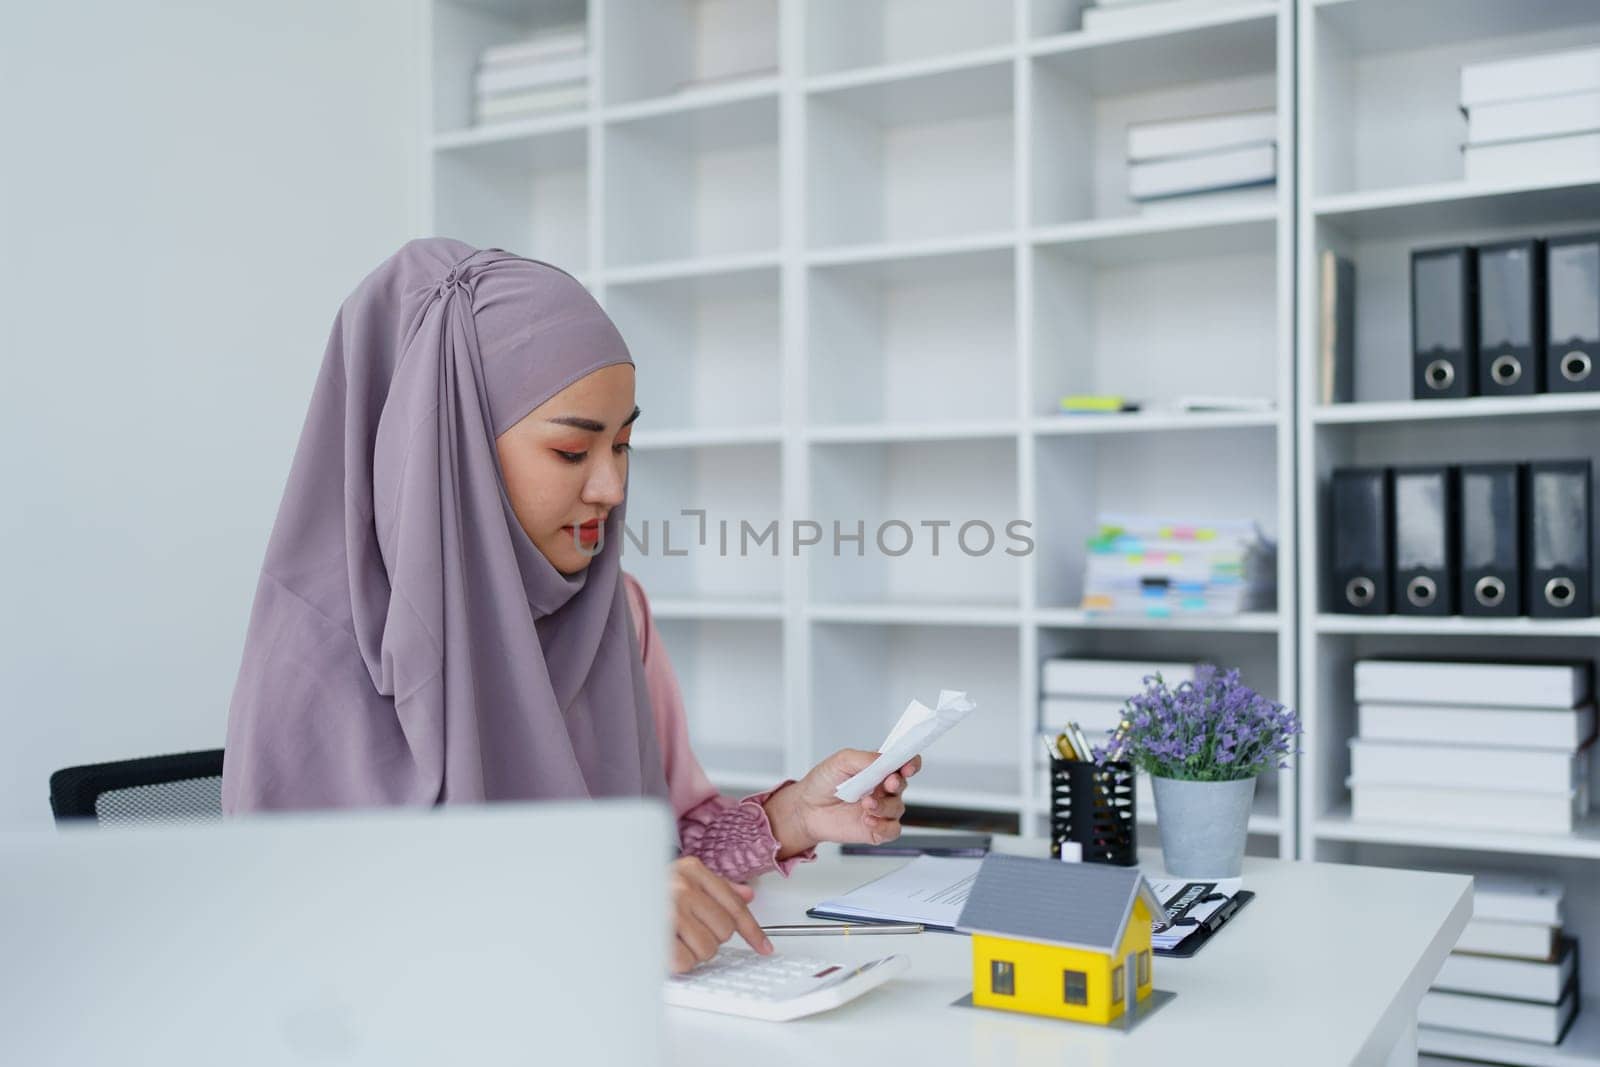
186, 786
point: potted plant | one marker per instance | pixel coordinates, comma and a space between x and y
1203, 743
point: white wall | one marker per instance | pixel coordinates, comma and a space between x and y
188, 189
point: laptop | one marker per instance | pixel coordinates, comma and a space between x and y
497, 934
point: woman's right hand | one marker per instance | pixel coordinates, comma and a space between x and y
706, 910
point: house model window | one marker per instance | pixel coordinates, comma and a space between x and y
1144, 968
1116, 983
1077, 987
1003, 978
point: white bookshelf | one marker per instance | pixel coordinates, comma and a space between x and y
1381, 174
859, 248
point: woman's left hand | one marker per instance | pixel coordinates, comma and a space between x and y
806, 812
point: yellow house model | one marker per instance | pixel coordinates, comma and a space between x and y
1070, 940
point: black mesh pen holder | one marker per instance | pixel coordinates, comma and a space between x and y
1092, 804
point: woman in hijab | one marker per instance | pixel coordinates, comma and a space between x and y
441, 616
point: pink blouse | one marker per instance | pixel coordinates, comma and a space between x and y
732, 837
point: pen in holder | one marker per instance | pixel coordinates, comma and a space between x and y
1092, 804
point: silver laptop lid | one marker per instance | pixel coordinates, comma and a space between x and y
486, 935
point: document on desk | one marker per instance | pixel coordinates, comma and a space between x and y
1189, 904
929, 890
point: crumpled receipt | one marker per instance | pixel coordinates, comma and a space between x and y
919, 727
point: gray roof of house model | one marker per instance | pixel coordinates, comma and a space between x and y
1081, 905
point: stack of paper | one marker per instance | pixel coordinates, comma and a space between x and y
1532, 116
1133, 16
1170, 569
1233, 155
543, 74
1512, 975
1489, 746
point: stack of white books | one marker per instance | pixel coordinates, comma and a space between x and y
543, 74
1093, 693
1133, 16
1533, 116
1230, 157
1511, 976
1481, 746
1167, 568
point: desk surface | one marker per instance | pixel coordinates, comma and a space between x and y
1326, 966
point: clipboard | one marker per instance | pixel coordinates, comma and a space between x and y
1207, 928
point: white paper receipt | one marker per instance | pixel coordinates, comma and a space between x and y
919, 727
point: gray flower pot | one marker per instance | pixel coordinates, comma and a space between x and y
1203, 826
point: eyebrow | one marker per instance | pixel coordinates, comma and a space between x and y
580, 423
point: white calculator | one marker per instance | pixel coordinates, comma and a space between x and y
777, 987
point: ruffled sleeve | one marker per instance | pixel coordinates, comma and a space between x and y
731, 837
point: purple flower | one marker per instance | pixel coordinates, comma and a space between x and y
1213, 728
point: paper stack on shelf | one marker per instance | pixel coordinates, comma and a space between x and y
1520, 737
1132, 16
1532, 116
1230, 156
1512, 975
1162, 568
543, 74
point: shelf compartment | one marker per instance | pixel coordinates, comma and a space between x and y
875, 485
731, 675
732, 484
1239, 39
915, 341
459, 32
1096, 329
1385, 82
1175, 474
1425, 211
528, 195
658, 48
846, 35
714, 188
864, 675
921, 158
1080, 118
707, 350
1377, 26
1382, 363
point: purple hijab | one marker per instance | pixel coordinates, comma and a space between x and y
409, 644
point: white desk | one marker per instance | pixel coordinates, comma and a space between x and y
1326, 966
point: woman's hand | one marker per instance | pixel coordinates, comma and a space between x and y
806, 812
706, 910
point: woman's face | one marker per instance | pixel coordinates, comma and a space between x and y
566, 463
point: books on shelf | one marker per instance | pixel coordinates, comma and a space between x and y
1508, 898
1201, 134
1508, 938
544, 74
1336, 339
1513, 979
1122, 16
1546, 74
1518, 1020
1489, 746
1565, 729
1521, 685
1466, 766
1222, 155
1532, 115
1164, 568
1480, 808
1229, 168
